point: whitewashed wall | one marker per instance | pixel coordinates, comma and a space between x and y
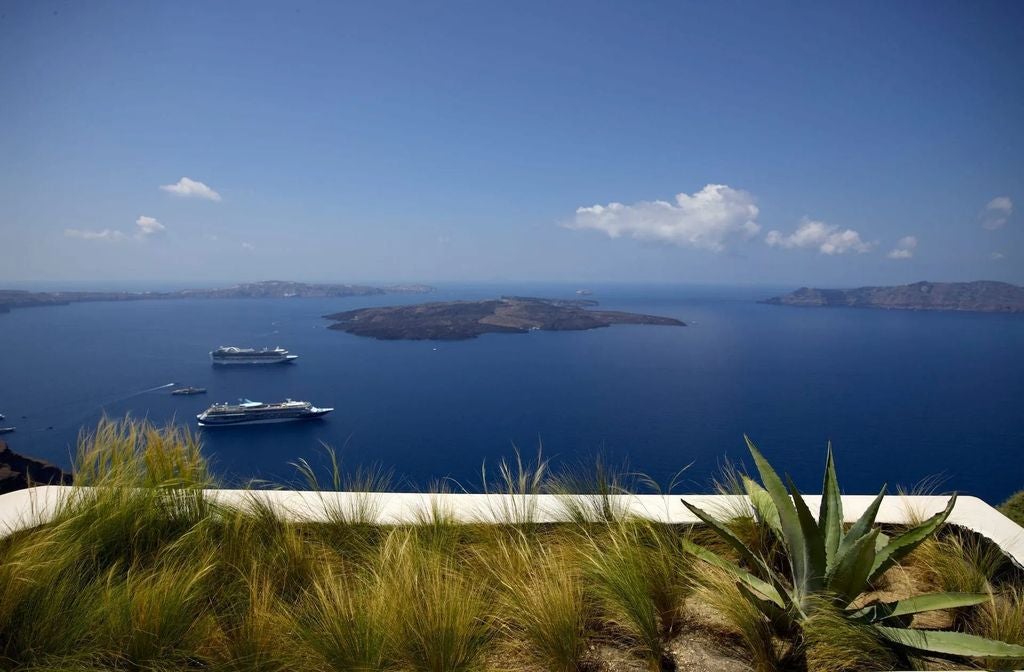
27, 508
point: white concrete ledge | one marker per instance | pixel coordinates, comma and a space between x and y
28, 508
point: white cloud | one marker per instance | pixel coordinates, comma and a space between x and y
996, 256
828, 238
904, 248
104, 234
996, 213
708, 219
148, 226
191, 188
145, 227
248, 246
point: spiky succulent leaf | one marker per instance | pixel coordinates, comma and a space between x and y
849, 575
762, 503
741, 548
762, 589
880, 611
950, 643
830, 513
863, 524
792, 533
769, 608
813, 538
904, 543
881, 540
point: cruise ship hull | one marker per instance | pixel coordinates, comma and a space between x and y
210, 421
248, 361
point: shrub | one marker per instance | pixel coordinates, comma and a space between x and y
829, 564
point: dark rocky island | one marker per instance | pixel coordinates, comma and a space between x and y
981, 297
269, 289
459, 320
18, 472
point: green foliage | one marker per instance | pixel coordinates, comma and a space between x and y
143, 570
153, 614
829, 564
832, 642
640, 581
1002, 619
443, 621
544, 608
522, 482
1013, 508
748, 626
587, 494
348, 624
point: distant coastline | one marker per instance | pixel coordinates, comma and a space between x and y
20, 471
981, 296
268, 289
461, 320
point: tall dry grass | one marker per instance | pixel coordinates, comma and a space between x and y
142, 570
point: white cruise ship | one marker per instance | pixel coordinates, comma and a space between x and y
232, 355
247, 412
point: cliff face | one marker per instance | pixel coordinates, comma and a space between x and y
981, 296
17, 471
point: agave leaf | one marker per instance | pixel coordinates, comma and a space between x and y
904, 543
830, 513
734, 541
881, 540
723, 532
769, 608
881, 611
863, 524
762, 589
951, 643
762, 503
792, 534
813, 539
850, 573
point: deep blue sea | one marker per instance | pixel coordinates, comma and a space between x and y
902, 395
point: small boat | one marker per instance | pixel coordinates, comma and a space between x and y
7, 430
189, 390
2, 416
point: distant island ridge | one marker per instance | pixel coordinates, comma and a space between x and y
979, 296
268, 289
982, 296
461, 320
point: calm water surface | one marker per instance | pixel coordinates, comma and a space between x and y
902, 395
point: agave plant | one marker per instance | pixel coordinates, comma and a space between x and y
832, 564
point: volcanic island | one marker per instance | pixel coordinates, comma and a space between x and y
461, 320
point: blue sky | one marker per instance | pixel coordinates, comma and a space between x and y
780, 143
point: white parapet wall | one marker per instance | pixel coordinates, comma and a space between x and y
27, 508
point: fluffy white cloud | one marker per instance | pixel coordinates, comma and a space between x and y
828, 238
145, 227
104, 234
904, 248
996, 213
148, 226
191, 188
708, 219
